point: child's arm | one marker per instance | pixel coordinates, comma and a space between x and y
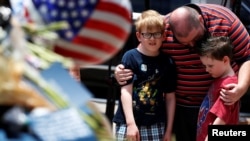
170, 109
217, 121
126, 99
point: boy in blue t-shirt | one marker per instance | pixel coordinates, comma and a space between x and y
147, 103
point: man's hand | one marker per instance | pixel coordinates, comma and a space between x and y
122, 74
231, 93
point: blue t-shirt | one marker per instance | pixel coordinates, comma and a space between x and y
153, 76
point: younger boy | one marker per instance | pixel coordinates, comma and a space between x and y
147, 103
216, 54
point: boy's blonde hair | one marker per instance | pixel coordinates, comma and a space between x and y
150, 19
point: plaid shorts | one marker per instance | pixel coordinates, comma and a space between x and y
154, 132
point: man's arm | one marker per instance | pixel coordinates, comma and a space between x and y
244, 77
233, 92
241, 42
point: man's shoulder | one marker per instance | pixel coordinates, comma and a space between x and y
215, 7
217, 11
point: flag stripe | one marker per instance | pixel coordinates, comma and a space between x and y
101, 20
111, 18
79, 55
101, 36
115, 8
88, 53
94, 44
89, 50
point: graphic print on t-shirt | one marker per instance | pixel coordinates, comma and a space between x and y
146, 98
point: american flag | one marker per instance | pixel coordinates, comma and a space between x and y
98, 28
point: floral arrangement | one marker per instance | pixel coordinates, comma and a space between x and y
25, 50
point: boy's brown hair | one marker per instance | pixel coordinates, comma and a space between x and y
217, 48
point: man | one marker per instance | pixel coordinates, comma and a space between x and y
186, 28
